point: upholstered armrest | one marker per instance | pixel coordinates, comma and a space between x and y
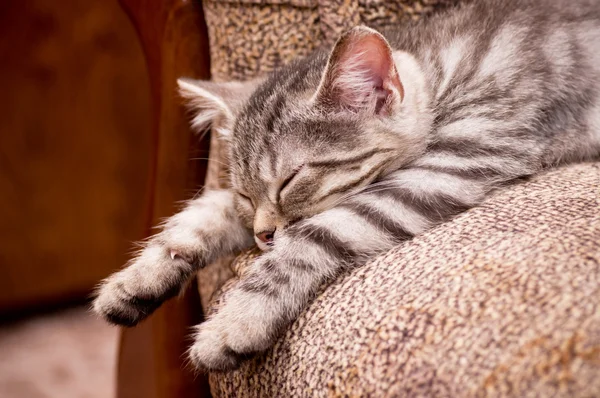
503, 300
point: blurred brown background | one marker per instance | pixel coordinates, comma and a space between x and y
82, 177
74, 148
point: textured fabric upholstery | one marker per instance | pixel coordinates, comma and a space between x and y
504, 300
250, 37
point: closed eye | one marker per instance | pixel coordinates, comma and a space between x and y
287, 181
246, 199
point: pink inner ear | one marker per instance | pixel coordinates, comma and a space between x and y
371, 59
362, 70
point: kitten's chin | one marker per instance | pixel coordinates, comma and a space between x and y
262, 245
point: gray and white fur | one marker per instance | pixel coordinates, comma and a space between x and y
340, 156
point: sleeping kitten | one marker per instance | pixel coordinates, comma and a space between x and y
338, 157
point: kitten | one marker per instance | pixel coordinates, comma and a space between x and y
338, 157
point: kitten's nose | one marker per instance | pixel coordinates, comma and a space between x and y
266, 236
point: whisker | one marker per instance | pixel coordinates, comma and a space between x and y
212, 160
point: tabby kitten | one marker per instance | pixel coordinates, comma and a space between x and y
338, 157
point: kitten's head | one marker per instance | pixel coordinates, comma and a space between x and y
312, 133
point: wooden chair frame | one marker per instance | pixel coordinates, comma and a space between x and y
173, 35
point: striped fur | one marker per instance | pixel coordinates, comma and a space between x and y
344, 165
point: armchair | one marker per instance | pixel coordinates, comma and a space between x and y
502, 301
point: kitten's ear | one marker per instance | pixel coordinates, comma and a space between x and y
360, 74
215, 104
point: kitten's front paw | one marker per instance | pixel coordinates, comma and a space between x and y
130, 295
211, 352
118, 306
243, 327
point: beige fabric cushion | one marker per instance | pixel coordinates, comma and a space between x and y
251, 37
504, 301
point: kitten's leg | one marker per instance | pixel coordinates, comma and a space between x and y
281, 282
207, 228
